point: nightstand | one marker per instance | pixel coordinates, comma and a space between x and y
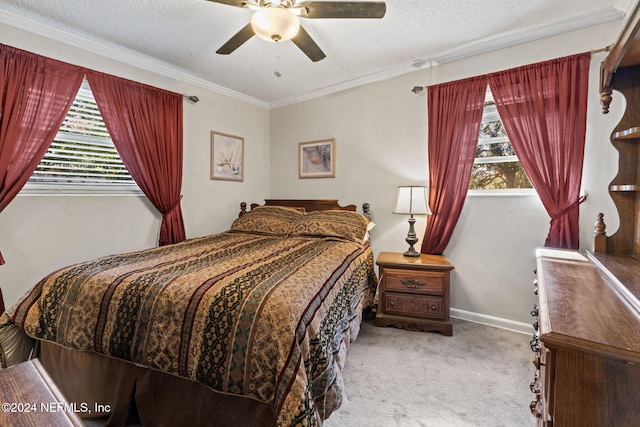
414, 292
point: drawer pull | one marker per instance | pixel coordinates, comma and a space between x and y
535, 408
535, 387
537, 363
535, 346
413, 283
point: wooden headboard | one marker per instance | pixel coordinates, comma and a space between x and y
309, 205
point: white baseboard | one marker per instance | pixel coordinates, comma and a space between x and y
498, 322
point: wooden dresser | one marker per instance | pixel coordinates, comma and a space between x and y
414, 292
587, 346
587, 338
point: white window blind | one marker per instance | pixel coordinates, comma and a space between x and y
82, 156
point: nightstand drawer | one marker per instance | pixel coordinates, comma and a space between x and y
413, 305
415, 282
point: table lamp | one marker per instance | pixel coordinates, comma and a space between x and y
412, 201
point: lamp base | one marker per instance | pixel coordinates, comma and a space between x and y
411, 239
411, 252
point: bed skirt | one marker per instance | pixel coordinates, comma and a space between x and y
119, 388
105, 384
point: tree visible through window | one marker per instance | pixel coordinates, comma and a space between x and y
82, 153
496, 165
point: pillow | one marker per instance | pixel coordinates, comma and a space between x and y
267, 220
333, 223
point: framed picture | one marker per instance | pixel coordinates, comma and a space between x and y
227, 157
317, 159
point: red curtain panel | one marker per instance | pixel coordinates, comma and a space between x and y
145, 124
455, 113
36, 94
544, 111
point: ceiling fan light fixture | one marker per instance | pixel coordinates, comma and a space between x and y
275, 24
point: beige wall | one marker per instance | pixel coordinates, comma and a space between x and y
380, 132
39, 234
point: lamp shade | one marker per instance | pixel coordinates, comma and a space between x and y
412, 200
275, 24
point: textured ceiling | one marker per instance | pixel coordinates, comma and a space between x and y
183, 36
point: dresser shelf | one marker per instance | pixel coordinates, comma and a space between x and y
630, 133
621, 188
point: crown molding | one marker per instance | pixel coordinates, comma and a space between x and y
122, 54
468, 50
510, 39
345, 85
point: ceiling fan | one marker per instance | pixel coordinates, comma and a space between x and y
278, 20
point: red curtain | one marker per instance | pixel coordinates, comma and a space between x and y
544, 111
145, 124
455, 114
36, 94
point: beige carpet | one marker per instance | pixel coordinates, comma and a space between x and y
395, 378
478, 377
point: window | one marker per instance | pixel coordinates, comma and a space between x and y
82, 157
496, 166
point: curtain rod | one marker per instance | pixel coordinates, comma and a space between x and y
191, 98
602, 49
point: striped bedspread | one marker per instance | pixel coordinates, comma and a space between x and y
247, 314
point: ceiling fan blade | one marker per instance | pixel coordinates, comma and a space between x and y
341, 9
236, 3
306, 44
237, 40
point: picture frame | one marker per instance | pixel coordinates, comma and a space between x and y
317, 159
227, 157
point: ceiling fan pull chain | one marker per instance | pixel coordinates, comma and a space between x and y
277, 72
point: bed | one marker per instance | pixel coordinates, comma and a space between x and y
248, 327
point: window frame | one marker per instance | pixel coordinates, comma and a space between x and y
490, 113
80, 188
